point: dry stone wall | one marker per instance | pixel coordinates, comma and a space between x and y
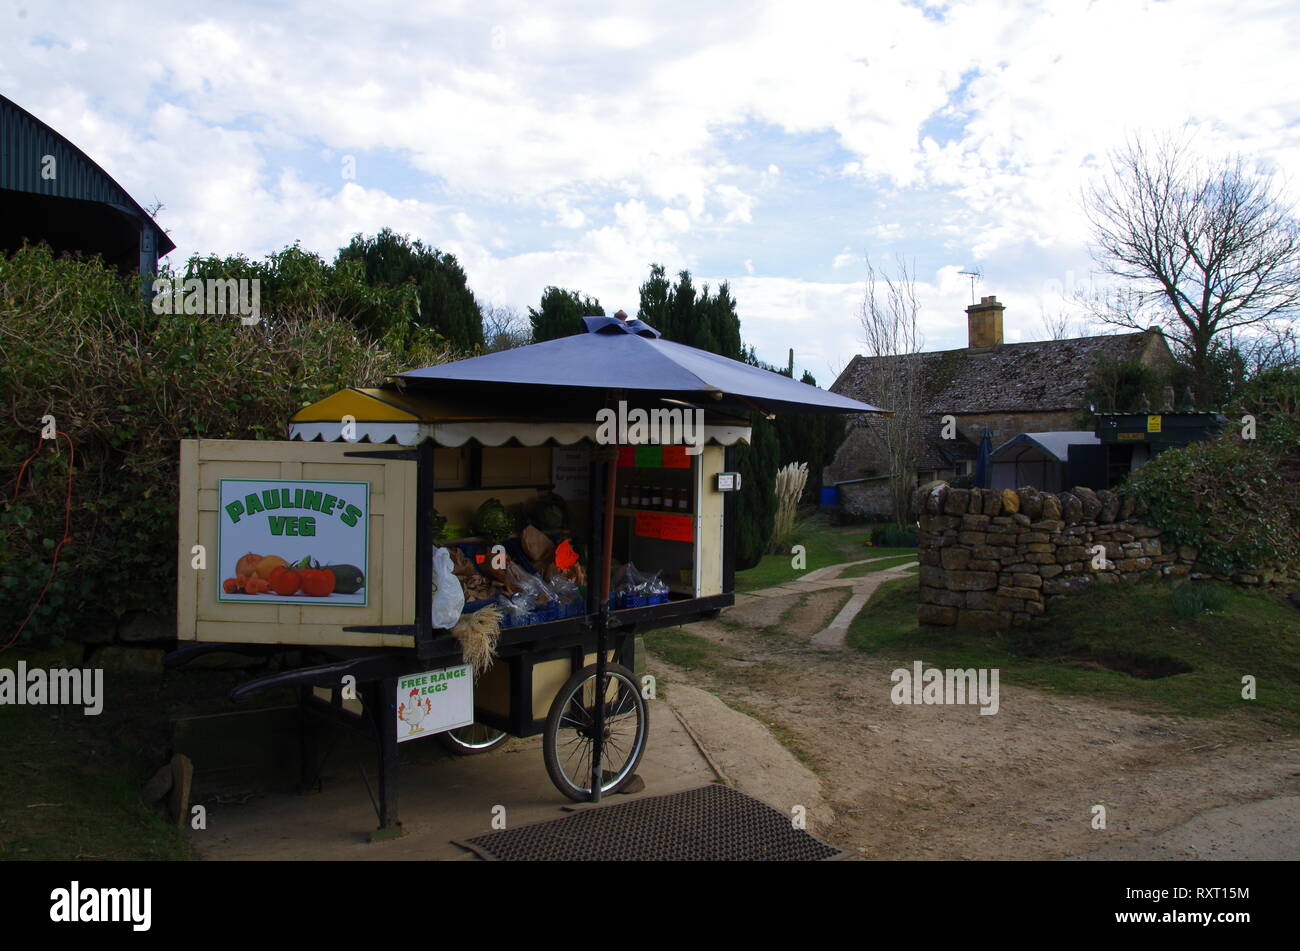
993, 559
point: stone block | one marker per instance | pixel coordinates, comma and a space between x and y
1088, 501
1067, 585
1133, 564
936, 614
1023, 594
971, 580
955, 559
1031, 502
954, 599
1110, 503
956, 501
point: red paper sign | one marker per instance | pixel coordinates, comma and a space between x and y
675, 458
673, 528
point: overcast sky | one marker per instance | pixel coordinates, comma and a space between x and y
769, 145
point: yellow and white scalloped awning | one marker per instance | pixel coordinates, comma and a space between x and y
375, 415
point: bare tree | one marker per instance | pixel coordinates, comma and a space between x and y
893, 339
1200, 248
503, 328
1057, 326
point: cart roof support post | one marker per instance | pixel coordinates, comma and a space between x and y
609, 458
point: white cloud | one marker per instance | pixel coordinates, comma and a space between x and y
577, 145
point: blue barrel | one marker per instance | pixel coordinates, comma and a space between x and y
830, 495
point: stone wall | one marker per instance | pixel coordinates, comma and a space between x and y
993, 559
871, 498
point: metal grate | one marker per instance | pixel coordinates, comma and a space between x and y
714, 823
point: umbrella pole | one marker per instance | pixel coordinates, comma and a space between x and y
610, 456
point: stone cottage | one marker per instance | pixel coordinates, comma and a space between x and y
1011, 388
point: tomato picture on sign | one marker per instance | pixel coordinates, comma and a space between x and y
293, 541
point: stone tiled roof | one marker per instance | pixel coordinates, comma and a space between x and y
1013, 377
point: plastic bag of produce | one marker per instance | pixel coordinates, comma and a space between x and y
656, 589
630, 592
565, 589
448, 596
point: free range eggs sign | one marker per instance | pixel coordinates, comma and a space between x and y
315, 532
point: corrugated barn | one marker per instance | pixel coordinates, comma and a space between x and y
52, 192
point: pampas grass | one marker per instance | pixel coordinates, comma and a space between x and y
478, 634
790, 482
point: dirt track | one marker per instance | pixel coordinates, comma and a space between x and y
907, 781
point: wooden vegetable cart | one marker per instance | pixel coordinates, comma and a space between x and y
373, 480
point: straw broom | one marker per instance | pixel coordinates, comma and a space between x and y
790, 482
478, 634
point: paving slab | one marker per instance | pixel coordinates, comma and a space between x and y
443, 797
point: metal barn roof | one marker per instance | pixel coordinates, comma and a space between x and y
52, 191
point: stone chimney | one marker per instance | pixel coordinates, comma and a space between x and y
984, 324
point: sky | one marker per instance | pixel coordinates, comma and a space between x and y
775, 146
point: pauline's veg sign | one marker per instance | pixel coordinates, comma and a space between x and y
293, 541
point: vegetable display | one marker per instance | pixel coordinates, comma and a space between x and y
255, 574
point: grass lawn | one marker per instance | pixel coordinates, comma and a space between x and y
70, 788
825, 544
1109, 644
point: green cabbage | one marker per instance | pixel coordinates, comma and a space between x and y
493, 522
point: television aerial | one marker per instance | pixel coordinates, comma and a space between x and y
973, 275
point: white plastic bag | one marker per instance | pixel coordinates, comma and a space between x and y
448, 596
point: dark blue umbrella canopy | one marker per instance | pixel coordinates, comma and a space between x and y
630, 356
982, 465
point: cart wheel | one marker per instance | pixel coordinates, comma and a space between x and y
568, 741
472, 740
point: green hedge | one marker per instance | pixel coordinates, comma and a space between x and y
78, 342
1236, 501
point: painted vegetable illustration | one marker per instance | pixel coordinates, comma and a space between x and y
247, 565
317, 582
268, 564
348, 579
275, 575
285, 582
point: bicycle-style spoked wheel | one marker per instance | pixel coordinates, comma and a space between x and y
472, 739
568, 743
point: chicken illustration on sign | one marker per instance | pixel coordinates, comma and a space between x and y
434, 701
293, 541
